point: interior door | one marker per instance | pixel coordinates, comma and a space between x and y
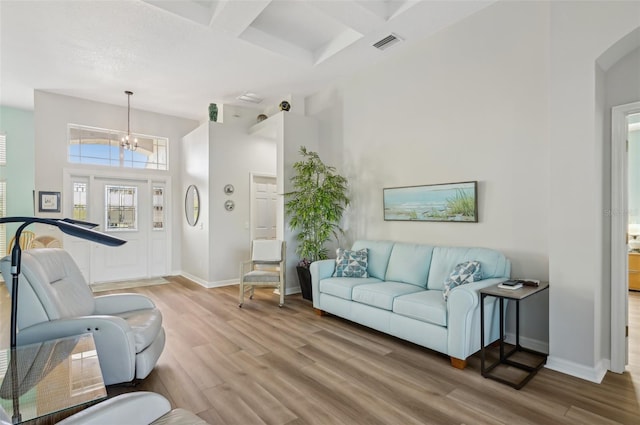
264, 197
122, 207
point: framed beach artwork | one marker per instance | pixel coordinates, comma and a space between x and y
49, 201
453, 202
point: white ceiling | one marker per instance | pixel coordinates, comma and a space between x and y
179, 56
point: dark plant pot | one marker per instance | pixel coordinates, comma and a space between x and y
304, 277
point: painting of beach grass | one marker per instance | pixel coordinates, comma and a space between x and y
455, 202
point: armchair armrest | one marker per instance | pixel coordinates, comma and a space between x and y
121, 303
320, 270
112, 335
463, 312
245, 267
136, 408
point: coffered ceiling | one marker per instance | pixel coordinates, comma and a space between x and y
178, 56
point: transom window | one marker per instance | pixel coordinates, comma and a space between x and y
97, 146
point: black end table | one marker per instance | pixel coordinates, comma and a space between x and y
505, 357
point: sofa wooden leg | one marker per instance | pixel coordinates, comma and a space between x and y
458, 363
320, 312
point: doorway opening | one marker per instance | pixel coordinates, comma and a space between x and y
625, 226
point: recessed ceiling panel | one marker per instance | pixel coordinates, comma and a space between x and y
387, 9
300, 31
298, 23
196, 11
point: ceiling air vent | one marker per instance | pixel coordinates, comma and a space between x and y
390, 40
250, 97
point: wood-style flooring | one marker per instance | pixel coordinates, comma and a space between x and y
267, 365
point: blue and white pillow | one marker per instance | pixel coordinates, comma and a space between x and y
466, 272
352, 263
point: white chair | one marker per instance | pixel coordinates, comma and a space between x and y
138, 408
266, 268
54, 301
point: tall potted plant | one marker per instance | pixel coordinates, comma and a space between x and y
315, 207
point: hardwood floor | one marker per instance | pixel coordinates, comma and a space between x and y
267, 365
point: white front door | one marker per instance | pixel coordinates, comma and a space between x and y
264, 198
131, 208
122, 208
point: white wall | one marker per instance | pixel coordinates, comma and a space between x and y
506, 97
234, 155
194, 170
52, 113
578, 250
214, 155
466, 104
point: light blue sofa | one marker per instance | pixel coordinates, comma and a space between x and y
403, 295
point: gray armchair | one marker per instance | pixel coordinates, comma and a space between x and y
55, 301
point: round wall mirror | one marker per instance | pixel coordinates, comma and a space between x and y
192, 205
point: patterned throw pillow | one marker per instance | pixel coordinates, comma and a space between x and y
351, 263
466, 272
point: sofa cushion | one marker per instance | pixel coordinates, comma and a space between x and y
351, 263
379, 252
409, 263
467, 272
382, 294
342, 286
426, 306
444, 260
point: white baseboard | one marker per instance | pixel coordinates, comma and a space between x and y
228, 282
593, 374
196, 279
291, 291
208, 284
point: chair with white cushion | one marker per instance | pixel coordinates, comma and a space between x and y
266, 268
138, 408
54, 301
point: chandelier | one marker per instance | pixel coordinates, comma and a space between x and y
128, 142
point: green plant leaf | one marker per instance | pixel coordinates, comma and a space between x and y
316, 204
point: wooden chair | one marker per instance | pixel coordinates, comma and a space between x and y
266, 268
26, 237
46, 241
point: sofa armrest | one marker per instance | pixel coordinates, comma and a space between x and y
112, 335
320, 270
463, 312
121, 303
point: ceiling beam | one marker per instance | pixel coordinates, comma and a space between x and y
233, 17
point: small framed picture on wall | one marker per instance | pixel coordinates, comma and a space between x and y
49, 201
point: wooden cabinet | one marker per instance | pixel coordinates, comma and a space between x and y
634, 271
